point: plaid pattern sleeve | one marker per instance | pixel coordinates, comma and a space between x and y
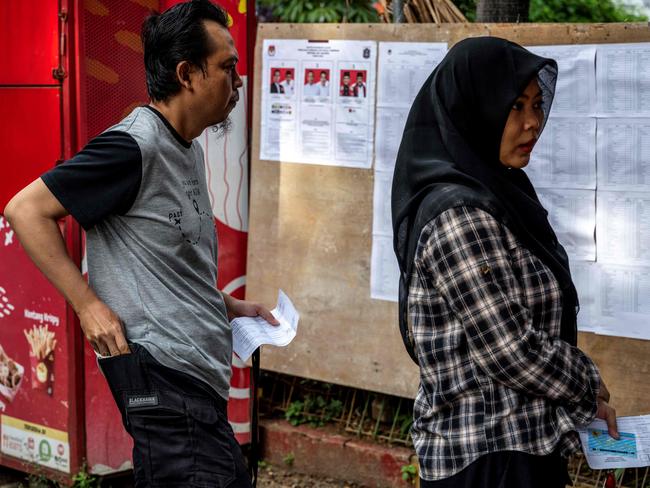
485, 314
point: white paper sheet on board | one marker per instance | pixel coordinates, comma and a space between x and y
318, 102
624, 301
585, 276
565, 155
572, 214
623, 227
624, 154
623, 80
403, 69
390, 127
384, 270
575, 91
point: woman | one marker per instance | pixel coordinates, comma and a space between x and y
486, 297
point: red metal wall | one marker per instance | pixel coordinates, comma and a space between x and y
37, 415
29, 34
29, 96
31, 135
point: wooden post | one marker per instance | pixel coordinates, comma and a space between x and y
502, 10
398, 11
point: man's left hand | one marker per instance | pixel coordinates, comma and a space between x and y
241, 308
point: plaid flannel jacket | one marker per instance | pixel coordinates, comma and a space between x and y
494, 375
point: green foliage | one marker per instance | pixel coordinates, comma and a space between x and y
315, 411
261, 464
567, 11
37, 480
294, 413
313, 11
289, 459
409, 473
361, 11
83, 479
404, 421
468, 7
581, 11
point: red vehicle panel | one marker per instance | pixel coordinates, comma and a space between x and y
29, 36
31, 134
34, 370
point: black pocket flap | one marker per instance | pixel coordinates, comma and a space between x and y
202, 410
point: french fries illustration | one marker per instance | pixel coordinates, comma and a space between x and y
42, 342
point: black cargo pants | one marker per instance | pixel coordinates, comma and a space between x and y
179, 426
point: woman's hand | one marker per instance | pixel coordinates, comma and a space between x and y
608, 414
605, 411
603, 394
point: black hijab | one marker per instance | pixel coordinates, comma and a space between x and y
449, 157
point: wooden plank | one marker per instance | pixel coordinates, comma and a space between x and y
310, 234
312, 238
525, 34
624, 365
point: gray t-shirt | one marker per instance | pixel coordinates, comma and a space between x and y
140, 192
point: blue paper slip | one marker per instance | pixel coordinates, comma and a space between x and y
599, 441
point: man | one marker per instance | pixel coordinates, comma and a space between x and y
359, 88
151, 310
310, 89
276, 86
288, 85
346, 90
324, 85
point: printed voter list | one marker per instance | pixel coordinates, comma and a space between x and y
632, 450
249, 333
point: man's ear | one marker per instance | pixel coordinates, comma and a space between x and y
184, 71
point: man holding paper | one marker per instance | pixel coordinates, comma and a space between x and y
151, 310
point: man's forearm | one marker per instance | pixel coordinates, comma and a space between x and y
229, 302
241, 308
42, 240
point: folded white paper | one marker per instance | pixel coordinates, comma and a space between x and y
249, 333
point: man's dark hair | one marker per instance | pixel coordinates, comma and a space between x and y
347, 73
176, 35
359, 75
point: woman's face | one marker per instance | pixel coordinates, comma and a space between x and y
522, 127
